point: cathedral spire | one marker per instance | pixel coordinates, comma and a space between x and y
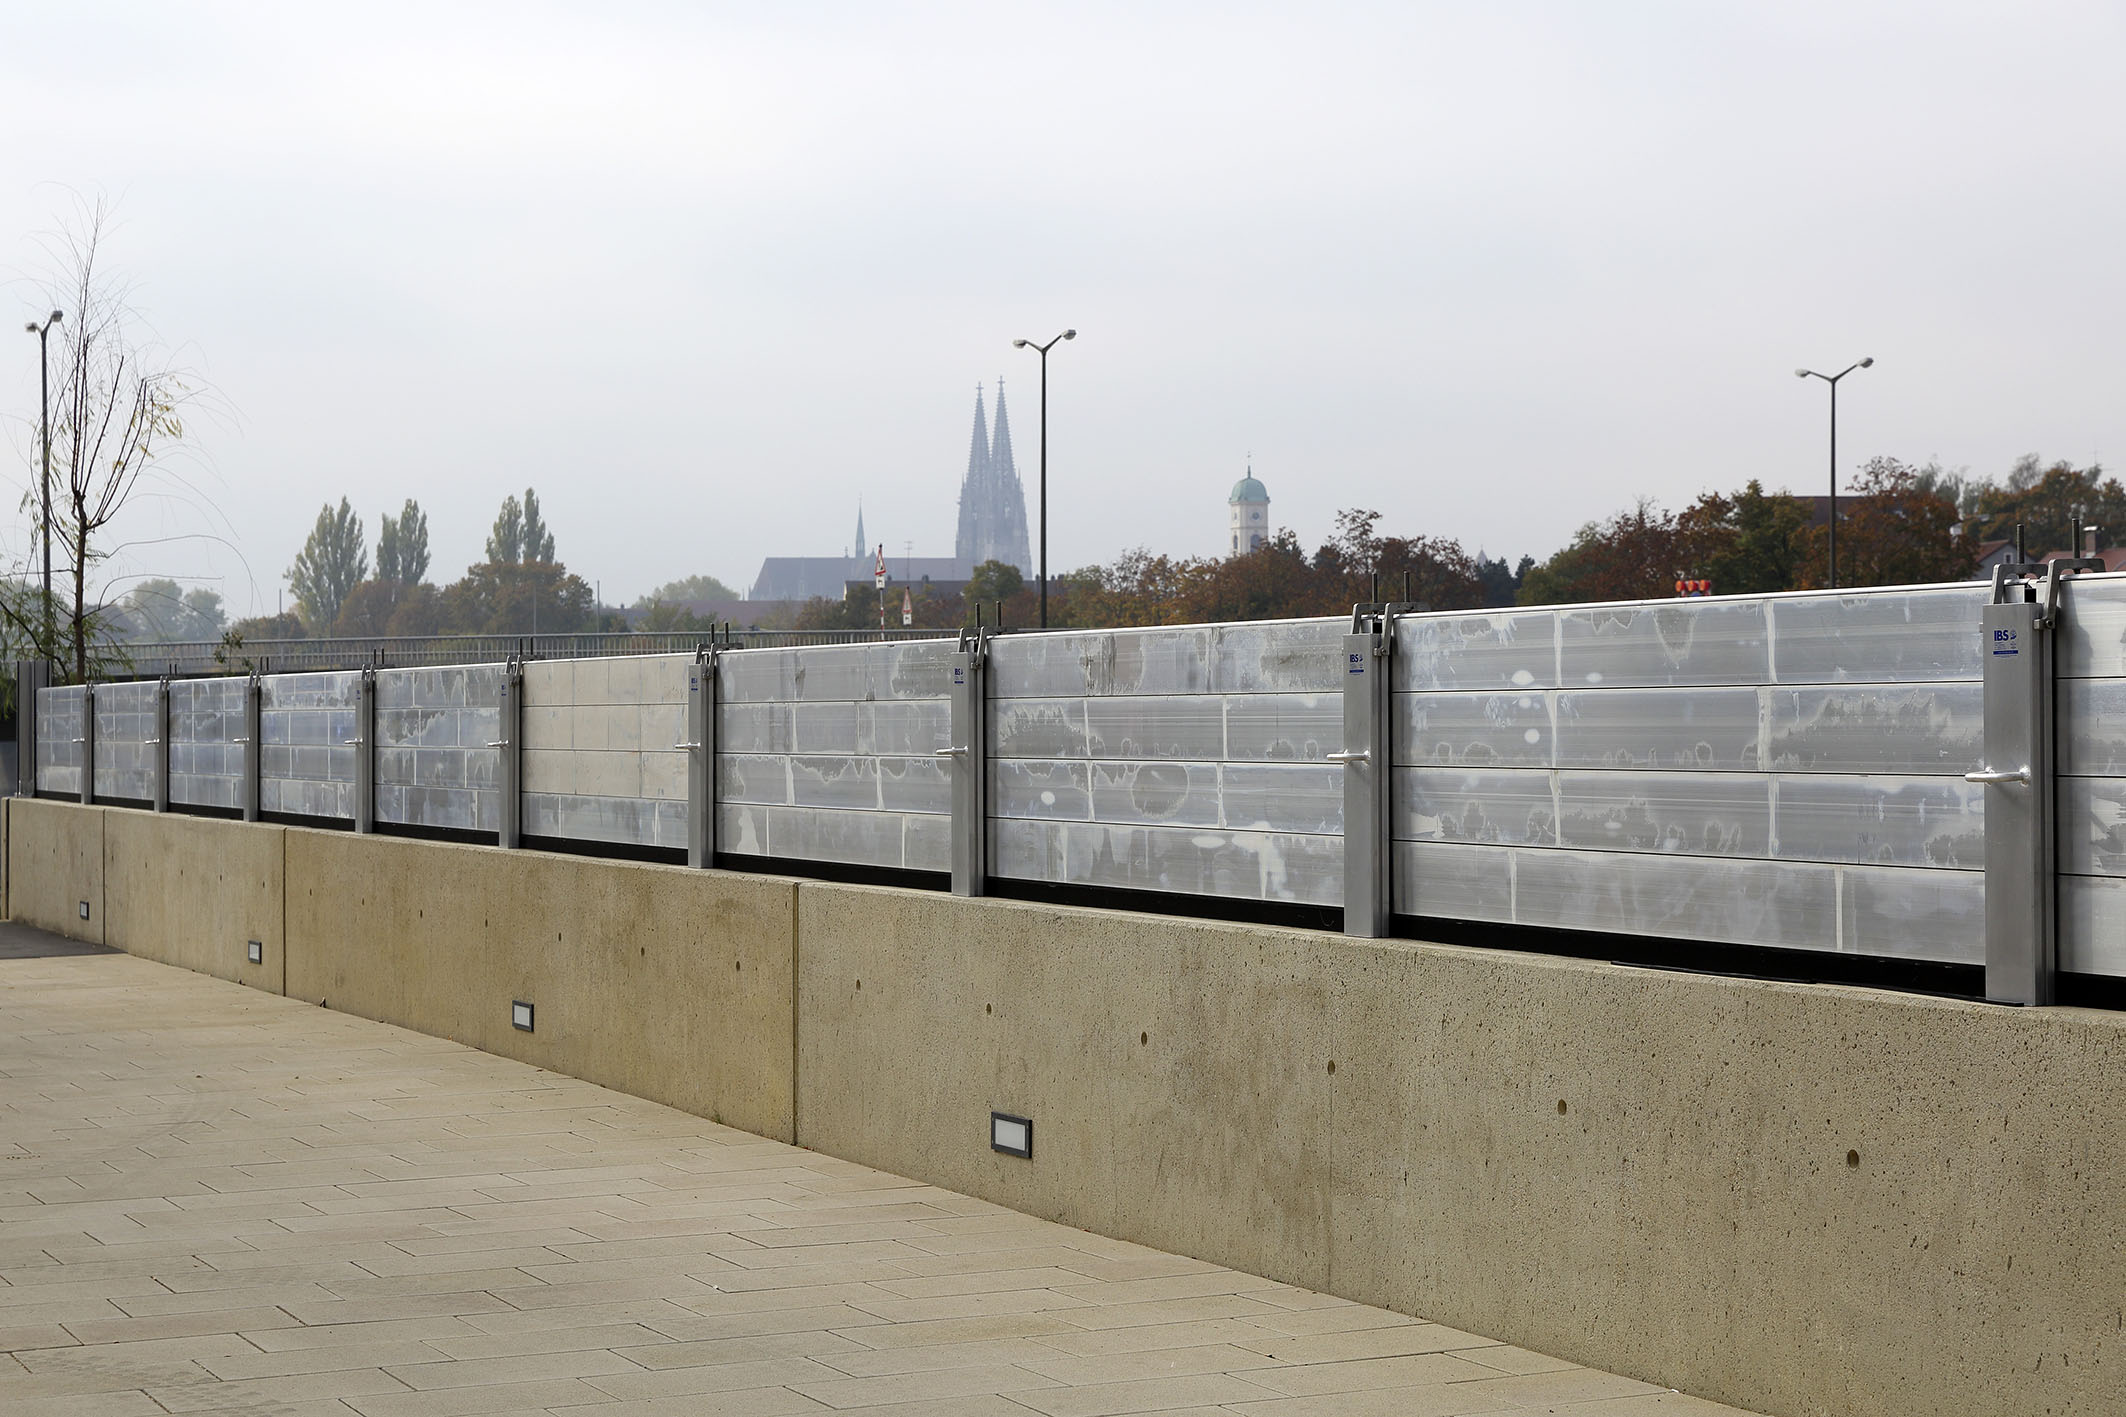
1000, 457
861, 544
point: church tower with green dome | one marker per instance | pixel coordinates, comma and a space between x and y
1248, 516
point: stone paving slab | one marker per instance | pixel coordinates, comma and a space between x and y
213, 1200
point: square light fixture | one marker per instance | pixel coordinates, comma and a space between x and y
520, 1015
1011, 1135
84, 910
255, 951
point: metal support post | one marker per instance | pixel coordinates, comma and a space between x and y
159, 759
31, 676
969, 756
2022, 886
1368, 761
87, 740
364, 744
509, 747
698, 739
254, 702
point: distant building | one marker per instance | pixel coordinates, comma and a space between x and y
992, 501
1248, 514
992, 528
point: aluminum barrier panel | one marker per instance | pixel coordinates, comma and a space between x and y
830, 754
602, 760
2090, 716
1783, 771
59, 735
1185, 760
435, 763
206, 758
125, 758
306, 731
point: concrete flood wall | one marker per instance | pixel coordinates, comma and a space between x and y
1800, 1199
669, 984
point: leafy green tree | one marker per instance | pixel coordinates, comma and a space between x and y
538, 541
158, 609
520, 534
690, 589
1635, 555
402, 546
537, 597
1753, 542
331, 564
993, 580
505, 543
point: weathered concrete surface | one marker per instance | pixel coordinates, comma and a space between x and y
55, 862
193, 891
1175, 1070
671, 984
1800, 1198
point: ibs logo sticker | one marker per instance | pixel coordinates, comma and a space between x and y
2004, 642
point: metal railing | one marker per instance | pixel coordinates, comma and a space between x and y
194, 658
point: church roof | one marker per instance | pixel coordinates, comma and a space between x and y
1247, 489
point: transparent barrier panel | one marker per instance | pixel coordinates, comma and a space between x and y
59, 739
125, 759
434, 763
829, 754
206, 760
306, 756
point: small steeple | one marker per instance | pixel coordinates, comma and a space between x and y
861, 543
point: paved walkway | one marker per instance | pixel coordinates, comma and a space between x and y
212, 1200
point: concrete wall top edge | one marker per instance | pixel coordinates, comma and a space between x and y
1467, 956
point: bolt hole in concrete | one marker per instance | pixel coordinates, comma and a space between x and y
859, 986
1561, 1106
989, 1008
1332, 1065
1144, 1038
1852, 1158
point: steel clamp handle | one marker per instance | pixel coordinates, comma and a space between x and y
1996, 776
948, 752
1362, 755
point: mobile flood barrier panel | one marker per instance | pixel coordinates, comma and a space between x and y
1859, 773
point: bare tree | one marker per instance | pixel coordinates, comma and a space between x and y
115, 410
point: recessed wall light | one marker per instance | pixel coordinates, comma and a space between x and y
1011, 1135
520, 1015
255, 951
84, 910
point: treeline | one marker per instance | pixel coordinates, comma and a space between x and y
1898, 524
521, 587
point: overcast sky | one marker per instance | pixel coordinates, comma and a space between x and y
704, 274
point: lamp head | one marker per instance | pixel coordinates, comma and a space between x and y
1018, 344
34, 328
1801, 373
1868, 363
1070, 334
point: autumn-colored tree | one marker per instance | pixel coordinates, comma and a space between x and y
1635, 555
1894, 529
2044, 499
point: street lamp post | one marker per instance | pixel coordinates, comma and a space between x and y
1043, 349
44, 425
1832, 380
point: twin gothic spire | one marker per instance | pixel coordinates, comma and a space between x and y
992, 501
